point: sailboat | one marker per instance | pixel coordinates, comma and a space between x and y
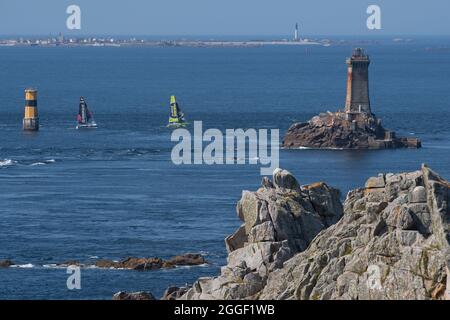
85, 117
176, 118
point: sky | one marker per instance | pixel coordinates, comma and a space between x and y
224, 17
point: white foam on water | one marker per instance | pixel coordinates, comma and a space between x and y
310, 148
52, 265
7, 163
194, 266
43, 163
24, 266
37, 164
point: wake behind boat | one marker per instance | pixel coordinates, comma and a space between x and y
85, 117
176, 118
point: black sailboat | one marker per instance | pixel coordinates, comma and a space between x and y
85, 117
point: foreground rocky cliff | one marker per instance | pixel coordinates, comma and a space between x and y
392, 242
280, 219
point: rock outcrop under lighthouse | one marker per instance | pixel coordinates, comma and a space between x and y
354, 128
336, 131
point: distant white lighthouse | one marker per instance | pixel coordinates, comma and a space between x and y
296, 37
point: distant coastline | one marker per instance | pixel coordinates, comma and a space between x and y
133, 42
112, 41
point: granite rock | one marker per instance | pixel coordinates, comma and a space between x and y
334, 131
386, 256
6, 263
279, 220
133, 296
388, 240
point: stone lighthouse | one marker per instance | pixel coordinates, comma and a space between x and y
357, 127
358, 100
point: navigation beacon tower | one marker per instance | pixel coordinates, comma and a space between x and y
358, 101
31, 117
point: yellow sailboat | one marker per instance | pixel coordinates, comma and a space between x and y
176, 118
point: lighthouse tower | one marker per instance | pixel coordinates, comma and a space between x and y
296, 37
358, 83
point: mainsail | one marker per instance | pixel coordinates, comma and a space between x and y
85, 117
176, 115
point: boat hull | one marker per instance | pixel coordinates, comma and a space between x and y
86, 126
177, 125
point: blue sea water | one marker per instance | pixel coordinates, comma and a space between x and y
114, 192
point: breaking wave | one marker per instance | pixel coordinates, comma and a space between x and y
24, 266
42, 163
203, 265
7, 163
37, 164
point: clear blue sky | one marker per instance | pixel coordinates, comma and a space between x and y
225, 17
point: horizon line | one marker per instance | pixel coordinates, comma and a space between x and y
71, 34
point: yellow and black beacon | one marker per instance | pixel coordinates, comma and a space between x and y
31, 118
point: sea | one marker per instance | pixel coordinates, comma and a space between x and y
114, 192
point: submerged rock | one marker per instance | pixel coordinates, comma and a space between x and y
133, 296
392, 242
188, 259
69, 263
142, 264
6, 263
